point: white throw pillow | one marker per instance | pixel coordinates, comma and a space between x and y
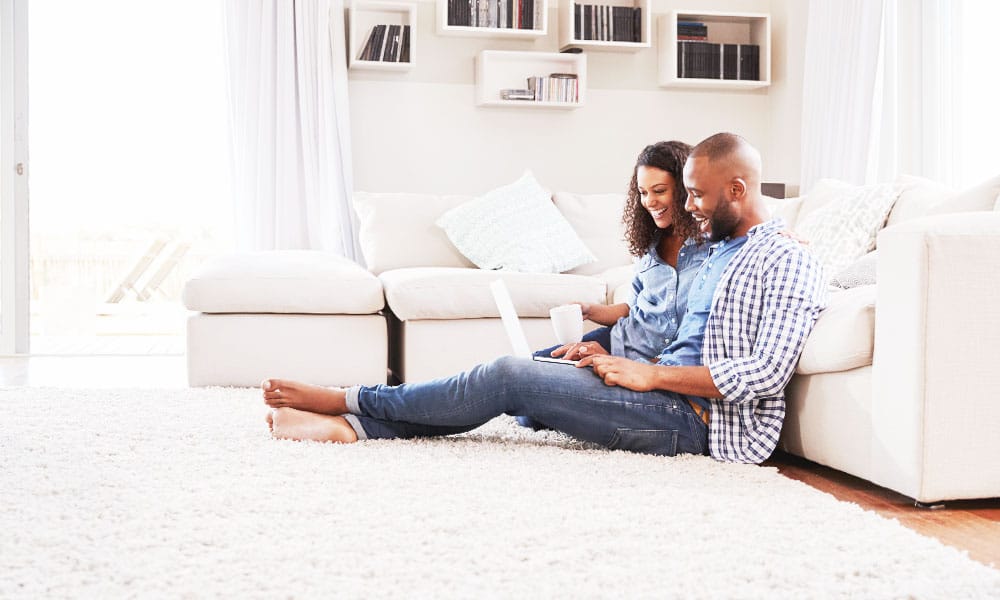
515, 228
845, 227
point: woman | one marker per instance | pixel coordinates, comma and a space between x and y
671, 250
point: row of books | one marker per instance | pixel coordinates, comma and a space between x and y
607, 23
387, 43
705, 60
504, 14
692, 30
556, 87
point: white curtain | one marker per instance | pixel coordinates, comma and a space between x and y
842, 91
290, 127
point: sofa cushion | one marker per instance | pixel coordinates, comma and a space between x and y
844, 335
397, 230
448, 293
597, 219
981, 197
283, 281
844, 229
515, 228
785, 208
917, 195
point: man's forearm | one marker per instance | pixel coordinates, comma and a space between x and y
694, 381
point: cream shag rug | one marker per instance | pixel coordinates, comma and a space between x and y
148, 493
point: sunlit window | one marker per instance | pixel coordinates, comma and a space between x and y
129, 181
977, 119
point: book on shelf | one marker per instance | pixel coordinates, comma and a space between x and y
707, 60
517, 94
556, 87
607, 23
387, 43
695, 29
404, 52
499, 14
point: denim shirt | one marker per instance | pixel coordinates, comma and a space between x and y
659, 299
686, 349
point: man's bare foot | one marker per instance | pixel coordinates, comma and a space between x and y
292, 424
270, 419
280, 393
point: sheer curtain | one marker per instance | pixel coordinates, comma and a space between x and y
290, 125
900, 87
842, 90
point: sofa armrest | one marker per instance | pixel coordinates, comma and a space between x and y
614, 278
937, 349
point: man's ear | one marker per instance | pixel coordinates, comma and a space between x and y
738, 187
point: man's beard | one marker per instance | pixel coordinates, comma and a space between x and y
724, 221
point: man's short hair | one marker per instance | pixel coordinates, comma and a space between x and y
720, 145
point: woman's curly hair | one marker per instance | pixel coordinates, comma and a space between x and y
640, 229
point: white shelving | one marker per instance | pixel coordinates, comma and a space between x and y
541, 24
496, 70
723, 28
364, 15
568, 35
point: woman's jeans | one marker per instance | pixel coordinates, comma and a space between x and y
601, 335
566, 398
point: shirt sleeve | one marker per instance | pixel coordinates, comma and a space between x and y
793, 296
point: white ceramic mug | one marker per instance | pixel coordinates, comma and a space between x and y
567, 320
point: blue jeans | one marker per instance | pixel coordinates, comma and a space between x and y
568, 399
601, 335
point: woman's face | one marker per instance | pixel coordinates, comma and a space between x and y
656, 191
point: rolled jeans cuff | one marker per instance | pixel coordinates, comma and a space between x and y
351, 399
359, 429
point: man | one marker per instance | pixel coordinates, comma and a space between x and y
718, 389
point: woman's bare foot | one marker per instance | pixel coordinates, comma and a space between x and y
280, 393
292, 424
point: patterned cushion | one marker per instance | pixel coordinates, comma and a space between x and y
515, 228
844, 229
860, 272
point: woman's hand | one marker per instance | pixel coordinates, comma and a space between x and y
603, 313
579, 350
624, 372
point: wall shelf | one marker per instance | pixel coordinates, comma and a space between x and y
569, 37
363, 16
723, 28
540, 29
497, 70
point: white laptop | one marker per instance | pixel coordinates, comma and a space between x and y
513, 325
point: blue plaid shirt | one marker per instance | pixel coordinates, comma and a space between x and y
765, 305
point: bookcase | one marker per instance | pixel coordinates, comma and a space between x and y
605, 25
364, 16
738, 35
505, 19
498, 70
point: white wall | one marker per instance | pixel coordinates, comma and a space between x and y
421, 131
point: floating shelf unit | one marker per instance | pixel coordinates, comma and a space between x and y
363, 16
567, 30
498, 69
724, 28
540, 30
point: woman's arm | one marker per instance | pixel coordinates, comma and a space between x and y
604, 314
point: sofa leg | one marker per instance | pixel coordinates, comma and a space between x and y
928, 505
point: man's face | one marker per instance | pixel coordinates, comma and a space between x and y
710, 200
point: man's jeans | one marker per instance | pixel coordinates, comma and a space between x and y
566, 398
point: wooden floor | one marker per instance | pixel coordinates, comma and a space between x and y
973, 526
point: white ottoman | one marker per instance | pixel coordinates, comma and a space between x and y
290, 314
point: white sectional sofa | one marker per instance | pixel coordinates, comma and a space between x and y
442, 316
897, 383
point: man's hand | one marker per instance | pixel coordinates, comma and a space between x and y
578, 350
624, 372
